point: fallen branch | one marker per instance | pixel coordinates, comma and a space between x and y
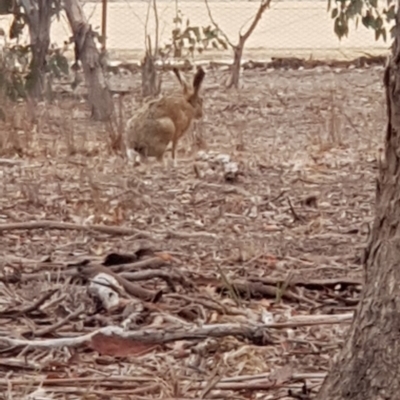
110, 230
251, 332
168, 276
153, 262
64, 270
107, 229
311, 283
190, 235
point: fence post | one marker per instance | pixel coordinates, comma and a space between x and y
104, 23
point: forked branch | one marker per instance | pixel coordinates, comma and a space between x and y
238, 48
263, 6
216, 25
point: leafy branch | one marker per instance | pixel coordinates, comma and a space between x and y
368, 12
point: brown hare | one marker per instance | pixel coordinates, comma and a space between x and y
165, 120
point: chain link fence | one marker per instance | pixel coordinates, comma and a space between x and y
298, 28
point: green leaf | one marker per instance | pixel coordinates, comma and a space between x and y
196, 31
62, 63
223, 43
206, 29
176, 33
390, 13
339, 28
16, 27
368, 20
384, 34
392, 31
358, 5
334, 13
177, 20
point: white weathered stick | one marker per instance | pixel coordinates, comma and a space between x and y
166, 336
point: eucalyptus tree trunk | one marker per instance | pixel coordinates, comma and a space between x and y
99, 95
38, 15
237, 60
368, 366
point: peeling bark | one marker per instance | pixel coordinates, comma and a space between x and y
368, 366
99, 95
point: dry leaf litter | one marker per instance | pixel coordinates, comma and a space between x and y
232, 276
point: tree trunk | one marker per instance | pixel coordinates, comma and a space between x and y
368, 366
237, 59
39, 20
99, 95
151, 84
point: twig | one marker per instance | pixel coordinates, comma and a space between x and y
295, 376
189, 235
312, 283
10, 162
232, 288
167, 276
216, 25
52, 328
31, 307
157, 27
215, 378
263, 6
296, 217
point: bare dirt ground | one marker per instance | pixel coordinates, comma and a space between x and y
249, 269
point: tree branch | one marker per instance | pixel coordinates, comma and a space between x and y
263, 6
157, 27
216, 25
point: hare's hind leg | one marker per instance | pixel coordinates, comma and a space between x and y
161, 159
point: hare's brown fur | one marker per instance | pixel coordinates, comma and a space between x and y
165, 120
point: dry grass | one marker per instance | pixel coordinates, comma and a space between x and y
306, 144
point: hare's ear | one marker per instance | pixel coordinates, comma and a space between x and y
181, 81
198, 79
